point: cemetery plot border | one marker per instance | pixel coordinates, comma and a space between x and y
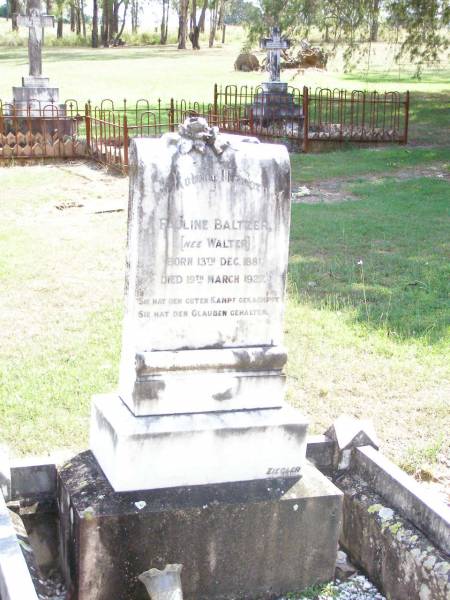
103, 132
44, 131
322, 115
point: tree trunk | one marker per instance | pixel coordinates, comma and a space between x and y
83, 18
105, 23
224, 28
112, 20
72, 16
221, 14
59, 27
49, 5
114, 28
201, 21
14, 8
213, 23
134, 15
194, 31
95, 23
221, 19
78, 17
194, 37
122, 26
375, 21
182, 23
164, 22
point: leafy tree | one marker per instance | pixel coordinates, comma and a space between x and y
424, 23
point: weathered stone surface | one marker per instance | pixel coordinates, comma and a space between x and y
15, 579
5, 472
223, 379
35, 21
194, 449
395, 555
208, 243
202, 359
35, 94
207, 261
31, 477
348, 433
404, 493
240, 540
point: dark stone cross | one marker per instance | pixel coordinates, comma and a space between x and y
35, 21
274, 45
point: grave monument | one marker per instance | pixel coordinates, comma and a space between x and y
36, 98
274, 102
197, 460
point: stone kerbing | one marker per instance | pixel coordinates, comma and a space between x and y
403, 493
15, 579
394, 553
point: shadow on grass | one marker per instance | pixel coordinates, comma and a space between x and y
429, 118
353, 162
393, 76
384, 259
100, 54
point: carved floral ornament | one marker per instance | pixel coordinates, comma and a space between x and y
196, 134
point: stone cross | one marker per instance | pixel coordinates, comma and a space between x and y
274, 45
35, 21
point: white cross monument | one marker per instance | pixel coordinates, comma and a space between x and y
35, 94
274, 45
35, 21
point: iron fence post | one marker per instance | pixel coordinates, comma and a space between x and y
215, 104
87, 120
405, 135
125, 143
305, 118
171, 115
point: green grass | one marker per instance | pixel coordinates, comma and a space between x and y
352, 162
376, 258
372, 339
46, 392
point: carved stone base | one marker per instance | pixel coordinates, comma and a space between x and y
237, 540
139, 453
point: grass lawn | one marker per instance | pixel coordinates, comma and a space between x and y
367, 317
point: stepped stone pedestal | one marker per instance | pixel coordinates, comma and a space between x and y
274, 103
246, 540
35, 104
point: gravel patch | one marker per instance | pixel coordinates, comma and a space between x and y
357, 587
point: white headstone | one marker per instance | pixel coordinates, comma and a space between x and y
202, 355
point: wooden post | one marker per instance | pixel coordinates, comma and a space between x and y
125, 144
405, 135
305, 118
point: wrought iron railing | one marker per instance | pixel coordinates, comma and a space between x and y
103, 132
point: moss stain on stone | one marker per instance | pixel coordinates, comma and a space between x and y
395, 528
374, 508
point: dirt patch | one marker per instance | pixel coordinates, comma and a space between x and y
336, 190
